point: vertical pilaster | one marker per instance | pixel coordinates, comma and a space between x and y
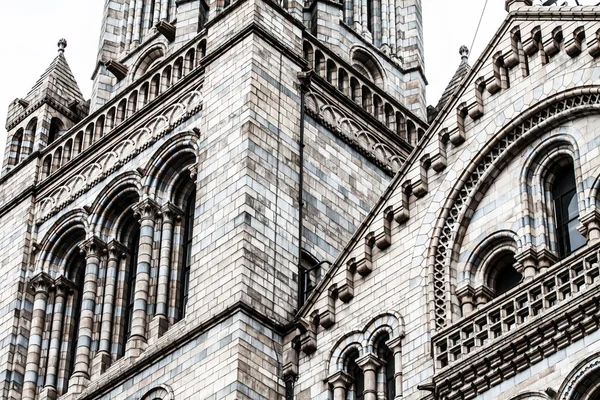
93, 249
147, 212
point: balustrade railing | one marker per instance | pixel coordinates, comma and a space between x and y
519, 306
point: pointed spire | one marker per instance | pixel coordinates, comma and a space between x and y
459, 75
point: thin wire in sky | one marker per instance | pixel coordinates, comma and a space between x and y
478, 25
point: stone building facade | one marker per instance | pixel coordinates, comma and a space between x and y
256, 203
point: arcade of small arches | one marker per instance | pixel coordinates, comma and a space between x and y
100, 290
367, 364
136, 97
358, 86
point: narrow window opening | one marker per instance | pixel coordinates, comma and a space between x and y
507, 277
566, 210
129, 294
187, 251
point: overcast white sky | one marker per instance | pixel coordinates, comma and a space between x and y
32, 28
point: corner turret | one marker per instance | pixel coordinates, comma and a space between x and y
51, 107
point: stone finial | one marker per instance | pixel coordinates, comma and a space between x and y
62, 45
464, 52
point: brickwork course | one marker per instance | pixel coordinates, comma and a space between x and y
257, 203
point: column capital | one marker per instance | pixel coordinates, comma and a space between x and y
171, 211
146, 209
116, 250
340, 379
93, 246
369, 362
395, 344
590, 225
41, 283
64, 285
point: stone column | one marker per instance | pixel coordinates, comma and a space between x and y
137, 23
385, 47
40, 284
339, 382
160, 323
129, 34
356, 15
466, 295
164, 9
365, 18
116, 252
147, 211
395, 346
93, 248
590, 226
369, 364
63, 287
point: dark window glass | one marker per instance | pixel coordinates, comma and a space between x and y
79, 274
390, 381
187, 253
566, 209
129, 294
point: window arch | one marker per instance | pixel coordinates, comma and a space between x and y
56, 128
357, 385
17, 146
502, 275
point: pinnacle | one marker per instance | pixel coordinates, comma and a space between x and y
62, 45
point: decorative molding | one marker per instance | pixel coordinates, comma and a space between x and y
121, 153
562, 106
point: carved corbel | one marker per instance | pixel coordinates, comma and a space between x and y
365, 265
594, 45
308, 339
346, 289
290, 357
327, 316
500, 79
117, 69
401, 213
457, 136
534, 44
439, 160
573, 46
552, 45
166, 29
421, 187
511, 60
476, 110
384, 241
590, 225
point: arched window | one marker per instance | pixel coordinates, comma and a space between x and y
566, 211
504, 276
18, 145
358, 379
388, 367
56, 126
187, 252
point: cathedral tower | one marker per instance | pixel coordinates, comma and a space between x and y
169, 232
